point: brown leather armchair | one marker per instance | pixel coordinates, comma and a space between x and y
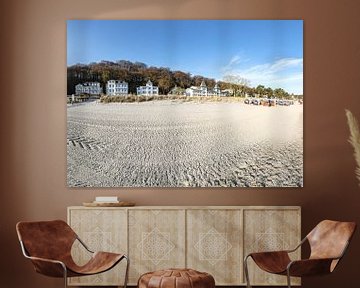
48, 245
328, 242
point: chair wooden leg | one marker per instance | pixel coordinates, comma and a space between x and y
246, 270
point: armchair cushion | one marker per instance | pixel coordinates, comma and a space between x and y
272, 262
99, 262
310, 267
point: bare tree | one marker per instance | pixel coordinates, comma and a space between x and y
238, 83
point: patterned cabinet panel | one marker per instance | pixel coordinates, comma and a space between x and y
101, 230
156, 240
214, 244
269, 230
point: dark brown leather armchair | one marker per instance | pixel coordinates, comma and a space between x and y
48, 245
328, 242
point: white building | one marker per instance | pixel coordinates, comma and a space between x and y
90, 88
197, 90
117, 87
147, 90
216, 91
202, 90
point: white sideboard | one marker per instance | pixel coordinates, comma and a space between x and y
211, 239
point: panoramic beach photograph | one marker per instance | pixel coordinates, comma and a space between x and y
185, 103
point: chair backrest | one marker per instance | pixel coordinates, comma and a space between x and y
329, 239
46, 239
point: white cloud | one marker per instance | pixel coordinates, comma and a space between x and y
234, 61
286, 73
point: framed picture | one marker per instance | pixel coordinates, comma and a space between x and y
185, 103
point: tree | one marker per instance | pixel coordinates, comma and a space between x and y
238, 84
269, 92
196, 81
165, 84
210, 82
280, 93
165, 80
249, 91
105, 76
182, 79
260, 90
177, 91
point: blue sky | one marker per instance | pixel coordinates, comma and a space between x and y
267, 52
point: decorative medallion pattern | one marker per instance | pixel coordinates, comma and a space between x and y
99, 240
213, 246
156, 246
269, 241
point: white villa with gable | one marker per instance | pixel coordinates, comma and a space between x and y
90, 88
117, 87
202, 90
197, 91
148, 90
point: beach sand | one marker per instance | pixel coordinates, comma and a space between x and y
184, 144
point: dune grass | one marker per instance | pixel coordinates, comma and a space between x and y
181, 98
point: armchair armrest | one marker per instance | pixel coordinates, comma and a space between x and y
49, 267
298, 246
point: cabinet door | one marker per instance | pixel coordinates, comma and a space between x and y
214, 244
271, 230
156, 240
100, 230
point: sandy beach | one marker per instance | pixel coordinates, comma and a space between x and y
184, 144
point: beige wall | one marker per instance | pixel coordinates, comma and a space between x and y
33, 119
